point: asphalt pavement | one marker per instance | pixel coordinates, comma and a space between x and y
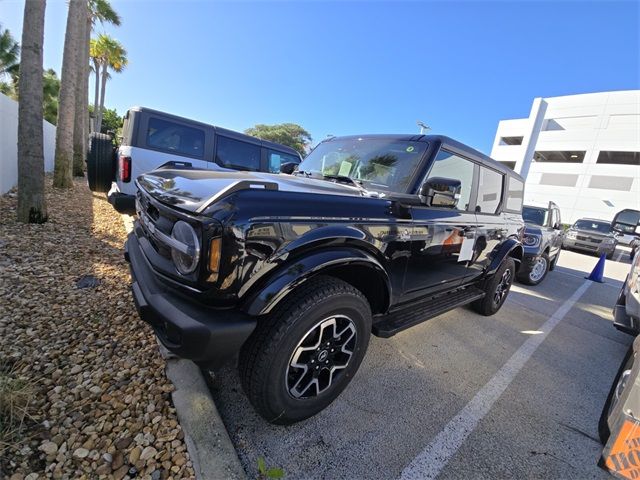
461, 395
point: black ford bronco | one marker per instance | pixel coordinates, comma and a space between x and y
373, 234
542, 242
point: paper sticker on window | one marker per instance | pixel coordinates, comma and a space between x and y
345, 168
410, 149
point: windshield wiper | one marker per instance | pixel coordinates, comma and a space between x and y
344, 178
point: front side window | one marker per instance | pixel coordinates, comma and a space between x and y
175, 138
489, 191
276, 159
237, 155
448, 165
378, 164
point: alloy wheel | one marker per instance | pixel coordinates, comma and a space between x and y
503, 287
538, 270
321, 356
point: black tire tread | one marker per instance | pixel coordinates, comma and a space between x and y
258, 350
100, 165
484, 306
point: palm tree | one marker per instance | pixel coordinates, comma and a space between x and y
98, 11
32, 207
63, 173
9, 54
106, 54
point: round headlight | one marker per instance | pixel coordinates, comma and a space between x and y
185, 259
530, 240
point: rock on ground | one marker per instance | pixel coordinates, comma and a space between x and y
98, 376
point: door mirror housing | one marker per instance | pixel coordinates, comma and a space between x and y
557, 226
288, 167
637, 230
440, 192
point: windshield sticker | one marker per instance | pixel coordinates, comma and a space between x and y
345, 168
410, 149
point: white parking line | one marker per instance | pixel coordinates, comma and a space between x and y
430, 462
619, 257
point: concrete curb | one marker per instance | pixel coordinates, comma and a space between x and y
208, 443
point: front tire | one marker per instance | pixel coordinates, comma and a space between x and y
302, 355
537, 272
613, 397
496, 289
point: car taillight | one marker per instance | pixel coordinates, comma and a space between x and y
125, 169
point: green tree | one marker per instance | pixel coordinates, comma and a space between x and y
9, 55
289, 134
111, 121
106, 54
51, 90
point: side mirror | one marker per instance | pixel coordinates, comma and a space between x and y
440, 192
288, 167
637, 230
557, 226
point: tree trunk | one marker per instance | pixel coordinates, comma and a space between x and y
103, 86
85, 96
32, 207
63, 172
81, 86
96, 100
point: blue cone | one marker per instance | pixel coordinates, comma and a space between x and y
598, 271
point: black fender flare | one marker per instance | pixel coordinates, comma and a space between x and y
292, 274
509, 248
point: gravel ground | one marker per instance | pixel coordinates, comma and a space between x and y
102, 407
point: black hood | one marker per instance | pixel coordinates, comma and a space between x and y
194, 190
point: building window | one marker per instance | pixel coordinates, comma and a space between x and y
511, 165
607, 182
619, 158
560, 157
559, 179
511, 140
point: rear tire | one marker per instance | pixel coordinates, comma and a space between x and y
302, 355
496, 289
101, 167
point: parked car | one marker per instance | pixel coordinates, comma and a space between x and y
619, 425
542, 242
625, 224
151, 139
373, 234
591, 235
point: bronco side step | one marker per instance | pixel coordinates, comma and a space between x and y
388, 325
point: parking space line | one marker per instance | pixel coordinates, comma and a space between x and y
619, 256
430, 462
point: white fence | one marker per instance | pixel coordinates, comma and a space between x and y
9, 144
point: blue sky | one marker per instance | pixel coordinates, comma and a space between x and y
360, 67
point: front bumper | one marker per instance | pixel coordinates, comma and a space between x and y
190, 330
599, 248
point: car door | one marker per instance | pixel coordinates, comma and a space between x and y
437, 260
491, 230
556, 232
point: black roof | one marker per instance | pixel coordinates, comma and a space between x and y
221, 130
439, 140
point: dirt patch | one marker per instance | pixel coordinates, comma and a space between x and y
101, 403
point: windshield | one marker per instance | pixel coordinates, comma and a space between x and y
600, 227
536, 216
377, 163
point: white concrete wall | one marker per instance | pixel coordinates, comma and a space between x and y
591, 123
9, 144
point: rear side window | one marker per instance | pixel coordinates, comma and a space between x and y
175, 138
489, 191
237, 155
275, 159
515, 195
